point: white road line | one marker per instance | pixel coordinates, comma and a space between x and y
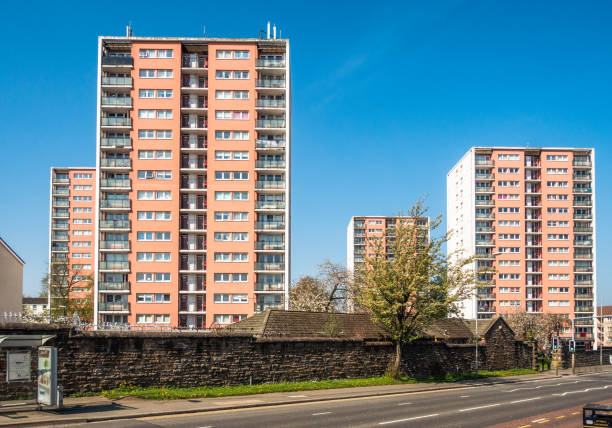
584, 390
538, 420
321, 413
541, 386
404, 404
526, 399
464, 396
408, 419
296, 396
480, 407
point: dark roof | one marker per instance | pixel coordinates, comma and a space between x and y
485, 325
34, 300
275, 323
604, 310
450, 328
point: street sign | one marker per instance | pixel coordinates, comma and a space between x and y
18, 366
47, 375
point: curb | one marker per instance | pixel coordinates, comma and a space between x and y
254, 405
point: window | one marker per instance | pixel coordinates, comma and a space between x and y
146, 114
146, 154
222, 257
222, 277
556, 184
241, 95
509, 289
223, 196
163, 154
145, 73
556, 158
81, 198
557, 197
164, 53
223, 95
240, 175
220, 155
241, 155
508, 157
224, 54
509, 249
145, 195
558, 289
223, 74
558, 236
81, 221
223, 114
144, 318
562, 250
223, 135
162, 319
222, 216
81, 232
163, 196
153, 236
165, 74
508, 209
558, 276
558, 303
83, 187
508, 183
513, 303
164, 114
240, 196
240, 298
509, 196
557, 210
153, 53
556, 170
510, 276
241, 54
146, 134
80, 175
164, 93
508, 170
152, 298
81, 243
240, 236
222, 175
509, 263
222, 319
241, 135
146, 93
558, 263
555, 223
512, 236
222, 236
150, 257
238, 216
240, 257
221, 298
81, 210
241, 74
164, 134
511, 223
240, 277
152, 277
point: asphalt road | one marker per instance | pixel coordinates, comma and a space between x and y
479, 406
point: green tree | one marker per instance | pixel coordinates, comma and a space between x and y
412, 282
61, 280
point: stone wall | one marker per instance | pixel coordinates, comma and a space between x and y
585, 358
94, 361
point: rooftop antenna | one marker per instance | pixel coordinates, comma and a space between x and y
204, 32
268, 31
128, 30
274, 31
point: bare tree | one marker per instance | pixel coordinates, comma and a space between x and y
61, 281
308, 294
417, 283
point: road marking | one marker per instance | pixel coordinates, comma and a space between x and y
296, 396
464, 396
544, 421
575, 413
408, 419
525, 399
321, 413
404, 404
584, 390
479, 407
524, 426
538, 420
560, 417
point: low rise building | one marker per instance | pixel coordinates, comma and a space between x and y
35, 306
11, 279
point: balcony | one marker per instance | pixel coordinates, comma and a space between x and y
268, 266
60, 203
582, 309
583, 322
485, 229
485, 243
583, 282
582, 190
268, 286
270, 63
259, 184
583, 295
114, 307
585, 243
115, 184
116, 122
118, 61
486, 309
116, 143
60, 214
485, 216
58, 226
115, 266
57, 180
583, 269
484, 162
60, 192
583, 216
194, 144
194, 62
583, 163
117, 204
270, 164
485, 177
260, 307
485, 189
269, 225
582, 177
115, 163
59, 248
270, 123
486, 296
270, 246
270, 144
269, 205
115, 224
114, 286
114, 245
484, 203
270, 103
122, 82
270, 83
123, 102
583, 256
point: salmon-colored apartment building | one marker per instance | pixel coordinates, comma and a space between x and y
528, 213
193, 208
71, 227
363, 232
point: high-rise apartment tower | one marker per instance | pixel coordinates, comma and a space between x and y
528, 213
193, 208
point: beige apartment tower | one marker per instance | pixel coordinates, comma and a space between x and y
528, 213
193, 157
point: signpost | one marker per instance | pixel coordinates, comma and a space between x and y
47, 375
18, 366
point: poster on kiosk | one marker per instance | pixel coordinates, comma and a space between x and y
47, 375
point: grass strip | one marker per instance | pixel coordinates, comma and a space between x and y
171, 393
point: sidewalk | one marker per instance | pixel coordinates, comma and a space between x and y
92, 409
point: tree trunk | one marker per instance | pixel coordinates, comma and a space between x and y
533, 356
395, 366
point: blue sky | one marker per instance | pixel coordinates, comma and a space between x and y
385, 100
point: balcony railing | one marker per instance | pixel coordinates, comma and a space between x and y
61, 203
260, 307
583, 256
583, 203
270, 63
115, 163
117, 81
115, 203
270, 205
270, 103
60, 214
582, 190
270, 123
583, 309
117, 101
586, 243
485, 189
116, 121
259, 184
114, 265
582, 177
582, 163
583, 282
583, 216
486, 242
59, 237
61, 192
267, 286
269, 266
114, 286
269, 83
270, 144
118, 60
115, 224
270, 164
58, 226
116, 142
269, 246
59, 247
115, 245
116, 183
583, 295
583, 269
114, 307
61, 180
270, 225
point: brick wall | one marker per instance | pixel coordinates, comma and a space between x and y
93, 361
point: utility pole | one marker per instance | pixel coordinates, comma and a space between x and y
476, 305
574, 352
